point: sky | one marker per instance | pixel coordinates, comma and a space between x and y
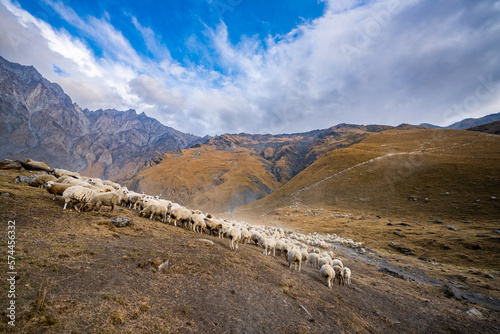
209, 67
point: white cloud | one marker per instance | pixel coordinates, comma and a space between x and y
378, 62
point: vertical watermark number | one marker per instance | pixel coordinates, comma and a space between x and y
11, 271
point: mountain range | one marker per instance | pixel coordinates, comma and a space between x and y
38, 120
219, 174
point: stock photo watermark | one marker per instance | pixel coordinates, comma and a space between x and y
224, 6
11, 272
369, 29
484, 90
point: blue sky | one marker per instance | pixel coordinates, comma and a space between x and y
217, 66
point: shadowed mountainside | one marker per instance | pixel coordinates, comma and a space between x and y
39, 121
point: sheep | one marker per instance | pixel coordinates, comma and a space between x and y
134, 200
123, 192
77, 194
255, 237
179, 214
234, 235
337, 262
339, 274
225, 227
63, 172
268, 244
285, 249
55, 188
155, 210
279, 247
322, 261
115, 185
38, 164
294, 258
108, 199
198, 222
312, 259
213, 226
328, 274
347, 275
40, 180
245, 235
304, 253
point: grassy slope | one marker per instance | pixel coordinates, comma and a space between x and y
97, 278
453, 174
208, 179
233, 170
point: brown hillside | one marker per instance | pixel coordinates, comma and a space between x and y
493, 128
433, 191
207, 179
77, 273
435, 173
233, 170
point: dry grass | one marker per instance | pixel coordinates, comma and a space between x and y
99, 279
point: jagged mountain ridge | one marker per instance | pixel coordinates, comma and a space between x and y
38, 120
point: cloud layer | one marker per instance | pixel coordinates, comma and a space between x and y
384, 62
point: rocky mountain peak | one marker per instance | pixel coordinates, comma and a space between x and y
38, 120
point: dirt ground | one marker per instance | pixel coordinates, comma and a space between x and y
77, 273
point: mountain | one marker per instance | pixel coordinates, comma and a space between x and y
467, 123
493, 128
38, 120
403, 173
231, 170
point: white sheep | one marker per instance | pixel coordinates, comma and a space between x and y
234, 235
328, 274
339, 274
55, 188
198, 222
107, 199
347, 275
77, 194
179, 214
155, 210
304, 254
213, 225
337, 262
294, 258
40, 180
134, 200
36, 163
245, 235
312, 259
115, 185
269, 244
58, 172
255, 237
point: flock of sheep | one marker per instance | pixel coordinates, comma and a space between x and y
87, 194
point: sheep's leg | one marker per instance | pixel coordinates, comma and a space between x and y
112, 208
65, 203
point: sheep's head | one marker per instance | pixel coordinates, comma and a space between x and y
88, 207
48, 185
